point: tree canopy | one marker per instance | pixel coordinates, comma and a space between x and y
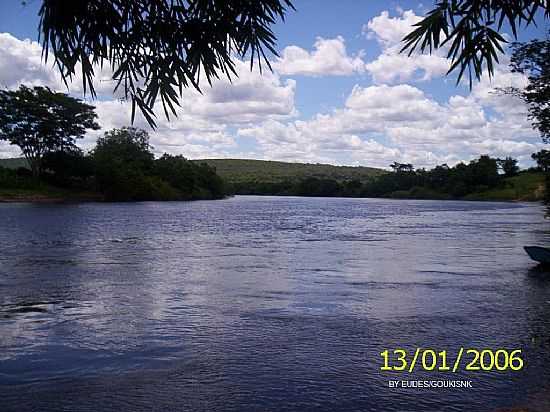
157, 47
472, 31
533, 60
543, 160
39, 121
509, 166
126, 169
477, 179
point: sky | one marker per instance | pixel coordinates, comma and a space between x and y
340, 93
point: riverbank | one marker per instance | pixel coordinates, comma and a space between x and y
47, 194
506, 194
481, 179
180, 179
525, 187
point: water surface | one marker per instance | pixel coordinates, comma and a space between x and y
266, 303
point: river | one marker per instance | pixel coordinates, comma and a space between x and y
267, 304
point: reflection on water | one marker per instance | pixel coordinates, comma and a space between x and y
266, 303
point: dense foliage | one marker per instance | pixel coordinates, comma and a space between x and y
121, 167
41, 121
543, 163
176, 178
157, 47
543, 160
125, 169
16, 179
191, 179
533, 60
460, 181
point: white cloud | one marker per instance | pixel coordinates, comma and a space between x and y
201, 128
381, 124
390, 31
21, 63
7, 150
248, 98
376, 125
329, 58
392, 66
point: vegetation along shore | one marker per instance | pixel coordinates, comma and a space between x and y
46, 125
79, 177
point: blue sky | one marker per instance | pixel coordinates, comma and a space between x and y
340, 94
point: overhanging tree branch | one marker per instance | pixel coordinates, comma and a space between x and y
471, 30
155, 48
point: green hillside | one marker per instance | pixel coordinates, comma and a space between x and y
243, 170
527, 186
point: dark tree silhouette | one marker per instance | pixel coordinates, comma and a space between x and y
157, 47
471, 29
122, 160
543, 160
533, 60
40, 121
125, 169
509, 166
402, 167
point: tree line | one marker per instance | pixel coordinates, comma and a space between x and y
459, 181
46, 125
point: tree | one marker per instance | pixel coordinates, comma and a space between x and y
39, 121
126, 169
67, 167
157, 47
122, 160
543, 160
439, 176
402, 167
177, 171
533, 60
509, 166
191, 179
127, 145
483, 171
471, 29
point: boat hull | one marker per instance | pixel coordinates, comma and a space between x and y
539, 254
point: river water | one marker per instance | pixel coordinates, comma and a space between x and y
267, 304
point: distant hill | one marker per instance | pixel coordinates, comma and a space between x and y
13, 163
237, 171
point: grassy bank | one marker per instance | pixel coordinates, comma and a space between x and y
525, 187
47, 194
